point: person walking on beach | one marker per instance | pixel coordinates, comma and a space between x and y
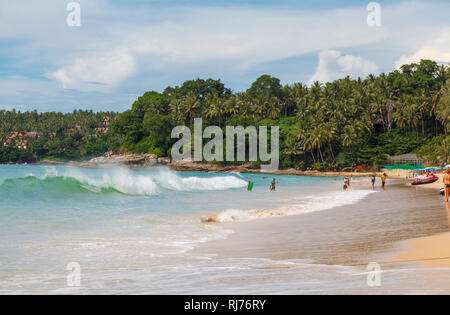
447, 184
373, 182
383, 180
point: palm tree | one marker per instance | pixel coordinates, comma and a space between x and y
231, 106
401, 118
260, 107
190, 106
317, 139
175, 106
348, 134
330, 132
273, 108
423, 102
216, 108
293, 148
443, 109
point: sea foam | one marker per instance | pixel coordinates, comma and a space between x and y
296, 206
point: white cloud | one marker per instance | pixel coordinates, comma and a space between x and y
121, 49
96, 74
437, 49
224, 39
24, 93
332, 65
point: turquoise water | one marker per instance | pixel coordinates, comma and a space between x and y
131, 231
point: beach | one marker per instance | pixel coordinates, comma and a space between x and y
401, 228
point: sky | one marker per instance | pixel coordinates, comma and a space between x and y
123, 48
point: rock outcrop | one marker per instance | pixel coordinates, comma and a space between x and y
144, 160
128, 159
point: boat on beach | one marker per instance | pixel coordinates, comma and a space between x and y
425, 179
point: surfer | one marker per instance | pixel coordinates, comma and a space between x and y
447, 184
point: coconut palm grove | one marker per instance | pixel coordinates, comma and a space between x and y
332, 126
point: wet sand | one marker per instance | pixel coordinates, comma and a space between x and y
375, 229
428, 252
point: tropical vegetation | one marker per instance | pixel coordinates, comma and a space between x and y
332, 126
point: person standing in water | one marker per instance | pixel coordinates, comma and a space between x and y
273, 185
346, 183
373, 182
447, 184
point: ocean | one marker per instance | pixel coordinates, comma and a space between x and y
132, 231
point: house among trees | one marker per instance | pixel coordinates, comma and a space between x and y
406, 159
52, 134
76, 128
21, 138
23, 144
101, 130
33, 135
7, 142
106, 120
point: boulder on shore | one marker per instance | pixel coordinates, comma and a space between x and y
129, 159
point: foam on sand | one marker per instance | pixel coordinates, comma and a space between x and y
293, 207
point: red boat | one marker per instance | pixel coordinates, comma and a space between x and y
425, 179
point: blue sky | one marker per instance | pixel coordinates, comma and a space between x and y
124, 48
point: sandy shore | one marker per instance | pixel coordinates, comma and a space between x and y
427, 252
405, 229
375, 229
403, 175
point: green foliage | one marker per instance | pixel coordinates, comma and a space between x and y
334, 126
337, 125
437, 150
66, 145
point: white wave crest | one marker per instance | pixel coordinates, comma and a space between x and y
145, 184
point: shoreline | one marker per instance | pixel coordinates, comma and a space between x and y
375, 228
326, 251
414, 248
426, 252
145, 161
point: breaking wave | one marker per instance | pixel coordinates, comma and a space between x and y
119, 180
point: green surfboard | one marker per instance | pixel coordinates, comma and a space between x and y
250, 186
